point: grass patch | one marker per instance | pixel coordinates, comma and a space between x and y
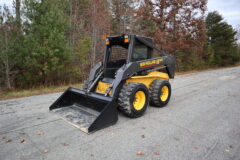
34, 91
53, 89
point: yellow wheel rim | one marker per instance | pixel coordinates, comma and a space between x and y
139, 100
165, 93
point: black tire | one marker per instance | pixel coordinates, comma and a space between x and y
85, 85
127, 98
156, 91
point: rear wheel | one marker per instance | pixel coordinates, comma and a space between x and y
133, 99
160, 92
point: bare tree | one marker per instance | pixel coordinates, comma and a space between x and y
7, 38
99, 28
122, 12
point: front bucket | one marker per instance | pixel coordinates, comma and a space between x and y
88, 112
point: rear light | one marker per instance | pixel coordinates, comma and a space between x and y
107, 42
126, 39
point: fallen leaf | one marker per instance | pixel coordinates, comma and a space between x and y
158, 144
92, 155
3, 138
226, 150
143, 127
39, 118
9, 140
143, 136
140, 153
157, 153
113, 134
39, 132
23, 141
45, 150
195, 147
65, 144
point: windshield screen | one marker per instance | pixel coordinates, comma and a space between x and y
118, 52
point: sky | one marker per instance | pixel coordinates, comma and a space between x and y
229, 9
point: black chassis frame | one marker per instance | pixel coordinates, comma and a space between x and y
130, 68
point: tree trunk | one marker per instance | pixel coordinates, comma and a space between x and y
71, 19
18, 15
8, 81
7, 69
94, 37
94, 45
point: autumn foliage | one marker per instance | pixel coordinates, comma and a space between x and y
50, 42
178, 25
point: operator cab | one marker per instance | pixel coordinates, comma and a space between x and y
118, 53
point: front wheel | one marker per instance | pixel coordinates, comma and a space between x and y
160, 92
133, 99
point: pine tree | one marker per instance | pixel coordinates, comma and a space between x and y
47, 50
221, 37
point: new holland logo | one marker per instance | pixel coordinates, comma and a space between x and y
151, 63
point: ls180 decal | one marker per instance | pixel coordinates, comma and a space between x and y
150, 63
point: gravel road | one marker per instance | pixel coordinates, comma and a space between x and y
201, 121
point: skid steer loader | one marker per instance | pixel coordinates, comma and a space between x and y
133, 74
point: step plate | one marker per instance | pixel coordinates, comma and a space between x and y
78, 116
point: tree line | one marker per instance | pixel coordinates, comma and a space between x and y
50, 42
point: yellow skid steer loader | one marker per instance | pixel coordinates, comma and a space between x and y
133, 74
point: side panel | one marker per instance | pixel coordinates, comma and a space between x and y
148, 79
169, 60
128, 70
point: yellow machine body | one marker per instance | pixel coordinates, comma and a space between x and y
102, 87
146, 80
149, 78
